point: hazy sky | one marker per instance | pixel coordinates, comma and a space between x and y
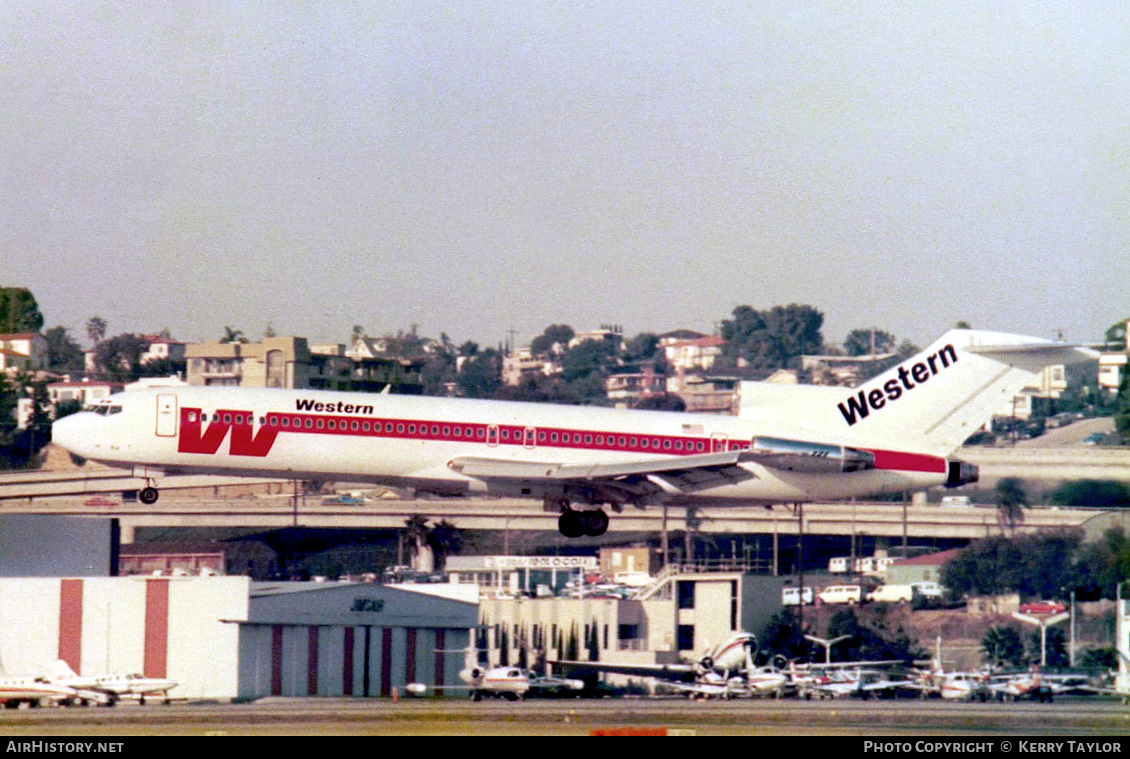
476, 167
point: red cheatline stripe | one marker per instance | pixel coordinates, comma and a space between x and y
513, 435
908, 462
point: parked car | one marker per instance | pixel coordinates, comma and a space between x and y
930, 590
841, 594
344, 500
99, 500
1094, 438
891, 594
1042, 607
791, 596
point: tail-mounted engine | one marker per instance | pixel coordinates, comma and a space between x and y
814, 458
960, 473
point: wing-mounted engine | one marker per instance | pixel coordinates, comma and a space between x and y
809, 457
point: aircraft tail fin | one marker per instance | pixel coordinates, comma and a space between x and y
931, 402
62, 670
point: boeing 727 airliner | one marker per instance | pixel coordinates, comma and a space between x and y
788, 444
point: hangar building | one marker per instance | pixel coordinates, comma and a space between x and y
226, 637
352, 639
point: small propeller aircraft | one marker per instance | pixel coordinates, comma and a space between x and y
36, 691
723, 671
115, 686
1016, 687
510, 683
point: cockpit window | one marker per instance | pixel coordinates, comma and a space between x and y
106, 409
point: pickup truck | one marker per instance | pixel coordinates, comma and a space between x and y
892, 594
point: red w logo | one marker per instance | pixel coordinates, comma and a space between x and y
195, 438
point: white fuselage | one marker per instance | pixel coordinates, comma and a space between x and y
17, 689
410, 441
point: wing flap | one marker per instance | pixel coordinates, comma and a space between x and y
669, 474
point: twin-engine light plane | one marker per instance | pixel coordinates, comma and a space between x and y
116, 686
787, 444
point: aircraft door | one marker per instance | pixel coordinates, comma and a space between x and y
529, 437
167, 415
718, 442
492, 435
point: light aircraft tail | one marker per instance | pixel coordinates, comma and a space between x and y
61, 670
931, 402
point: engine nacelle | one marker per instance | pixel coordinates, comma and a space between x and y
815, 458
961, 473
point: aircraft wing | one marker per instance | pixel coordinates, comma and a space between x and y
635, 481
708, 690
630, 481
671, 672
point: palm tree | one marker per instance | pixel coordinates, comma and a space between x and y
1002, 645
445, 540
232, 335
96, 329
418, 542
1011, 498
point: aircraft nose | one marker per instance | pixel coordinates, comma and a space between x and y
70, 433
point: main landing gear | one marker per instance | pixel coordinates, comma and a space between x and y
575, 524
148, 495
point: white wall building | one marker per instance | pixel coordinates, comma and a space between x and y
178, 628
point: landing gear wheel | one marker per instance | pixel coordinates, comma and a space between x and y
148, 496
595, 522
571, 524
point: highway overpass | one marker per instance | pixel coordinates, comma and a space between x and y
200, 501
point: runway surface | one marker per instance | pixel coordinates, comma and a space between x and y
1066, 718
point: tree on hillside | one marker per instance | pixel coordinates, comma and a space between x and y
119, 358
481, 375
644, 349
661, 402
870, 641
555, 334
763, 342
864, 342
1122, 410
1032, 565
19, 313
1104, 494
63, 353
1116, 335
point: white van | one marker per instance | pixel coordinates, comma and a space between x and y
841, 594
892, 594
790, 596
